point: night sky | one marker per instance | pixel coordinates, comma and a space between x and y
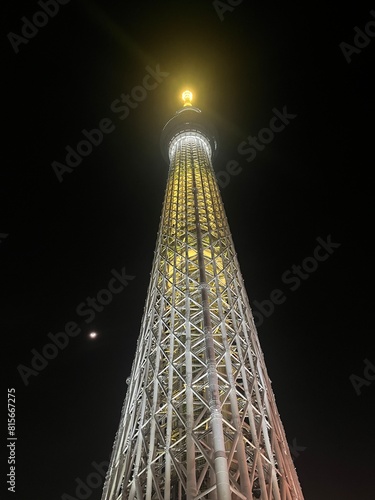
299, 206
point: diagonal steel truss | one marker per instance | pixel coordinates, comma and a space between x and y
199, 420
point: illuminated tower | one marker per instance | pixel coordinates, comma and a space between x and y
199, 419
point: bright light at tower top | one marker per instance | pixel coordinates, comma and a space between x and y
187, 97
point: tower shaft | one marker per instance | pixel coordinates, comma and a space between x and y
199, 419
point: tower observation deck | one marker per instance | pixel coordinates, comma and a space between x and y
199, 420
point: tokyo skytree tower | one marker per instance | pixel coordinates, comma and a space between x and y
199, 419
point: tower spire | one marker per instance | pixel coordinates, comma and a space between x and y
199, 419
187, 97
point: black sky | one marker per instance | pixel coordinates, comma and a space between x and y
60, 241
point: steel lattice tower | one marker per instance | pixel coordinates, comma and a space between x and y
199, 419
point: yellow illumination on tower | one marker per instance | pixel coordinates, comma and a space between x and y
187, 97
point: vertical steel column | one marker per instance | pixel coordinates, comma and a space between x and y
221, 464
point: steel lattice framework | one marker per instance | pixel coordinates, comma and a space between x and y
199, 419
